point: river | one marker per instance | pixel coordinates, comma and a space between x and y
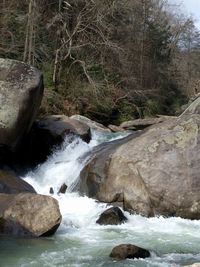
79, 241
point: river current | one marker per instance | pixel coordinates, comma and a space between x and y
79, 241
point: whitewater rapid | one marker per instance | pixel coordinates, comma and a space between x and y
79, 241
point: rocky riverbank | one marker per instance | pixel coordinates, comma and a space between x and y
154, 171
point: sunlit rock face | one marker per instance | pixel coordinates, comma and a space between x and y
28, 214
156, 172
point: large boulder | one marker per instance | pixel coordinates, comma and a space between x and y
21, 89
27, 214
11, 184
155, 172
128, 251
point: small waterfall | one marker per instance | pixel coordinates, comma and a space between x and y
66, 163
64, 166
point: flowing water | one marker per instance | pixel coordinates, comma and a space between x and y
79, 241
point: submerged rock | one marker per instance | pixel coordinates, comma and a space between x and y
28, 214
51, 191
112, 216
21, 90
62, 189
129, 251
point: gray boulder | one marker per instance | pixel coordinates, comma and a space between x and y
155, 172
27, 214
21, 90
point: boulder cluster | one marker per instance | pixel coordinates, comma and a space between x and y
153, 171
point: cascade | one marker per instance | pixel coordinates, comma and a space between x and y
79, 241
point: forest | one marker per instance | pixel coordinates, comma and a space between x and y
109, 60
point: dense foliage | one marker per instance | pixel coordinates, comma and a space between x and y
111, 60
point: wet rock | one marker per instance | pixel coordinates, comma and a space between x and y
129, 251
21, 90
27, 214
51, 191
11, 184
112, 216
62, 189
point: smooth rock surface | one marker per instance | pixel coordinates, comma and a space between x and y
27, 214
